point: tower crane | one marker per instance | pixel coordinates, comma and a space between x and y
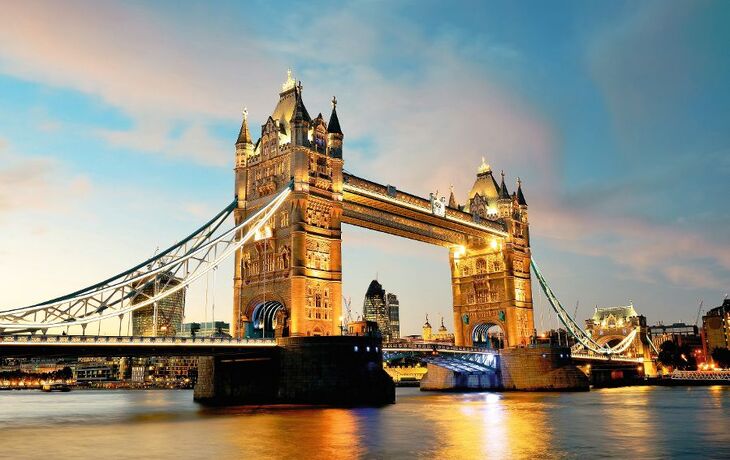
699, 311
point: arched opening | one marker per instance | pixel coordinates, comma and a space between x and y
488, 335
613, 342
266, 318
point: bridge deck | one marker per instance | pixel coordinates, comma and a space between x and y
60, 345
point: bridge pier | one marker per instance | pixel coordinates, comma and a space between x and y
332, 370
520, 369
540, 369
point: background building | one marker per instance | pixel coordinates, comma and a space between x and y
716, 328
382, 309
205, 329
393, 307
164, 319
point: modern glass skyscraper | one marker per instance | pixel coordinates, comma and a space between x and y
163, 320
393, 307
383, 309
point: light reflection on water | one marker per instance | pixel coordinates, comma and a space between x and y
636, 422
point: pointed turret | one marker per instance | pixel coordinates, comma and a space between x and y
452, 199
300, 111
244, 150
244, 135
334, 133
520, 196
503, 193
427, 331
300, 119
333, 127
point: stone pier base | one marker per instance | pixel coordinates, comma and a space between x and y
441, 379
521, 369
333, 370
540, 369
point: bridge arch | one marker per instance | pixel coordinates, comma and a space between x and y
610, 340
488, 335
267, 319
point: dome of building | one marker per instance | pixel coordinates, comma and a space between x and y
485, 186
375, 289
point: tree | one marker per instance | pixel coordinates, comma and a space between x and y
678, 357
721, 356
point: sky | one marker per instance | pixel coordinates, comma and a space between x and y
118, 119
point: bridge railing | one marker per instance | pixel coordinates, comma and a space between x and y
436, 347
722, 375
597, 357
130, 340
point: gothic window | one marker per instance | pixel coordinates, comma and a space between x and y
285, 259
318, 300
319, 143
481, 266
482, 291
465, 270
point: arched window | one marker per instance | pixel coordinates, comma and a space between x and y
481, 266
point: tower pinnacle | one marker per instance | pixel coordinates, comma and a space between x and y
484, 167
503, 193
244, 136
520, 196
289, 83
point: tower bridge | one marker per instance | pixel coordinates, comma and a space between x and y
292, 196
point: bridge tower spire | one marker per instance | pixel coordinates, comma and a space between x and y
491, 276
288, 281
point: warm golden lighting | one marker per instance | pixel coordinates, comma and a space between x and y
494, 244
459, 251
263, 233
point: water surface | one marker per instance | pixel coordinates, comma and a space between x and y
636, 422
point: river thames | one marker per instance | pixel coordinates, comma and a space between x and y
633, 422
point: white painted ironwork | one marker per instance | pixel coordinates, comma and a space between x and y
575, 330
720, 376
165, 274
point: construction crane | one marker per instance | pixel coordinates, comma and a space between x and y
699, 312
348, 311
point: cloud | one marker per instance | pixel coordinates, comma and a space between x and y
649, 251
156, 136
37, 183
154, 70
417, 109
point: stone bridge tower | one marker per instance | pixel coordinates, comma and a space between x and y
288, 280
491, 277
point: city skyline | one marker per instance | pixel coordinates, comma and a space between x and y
106, 159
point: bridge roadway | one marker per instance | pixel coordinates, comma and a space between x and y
90, 345
19, 346
23, 346
588, 357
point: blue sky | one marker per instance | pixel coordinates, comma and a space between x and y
117, 124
